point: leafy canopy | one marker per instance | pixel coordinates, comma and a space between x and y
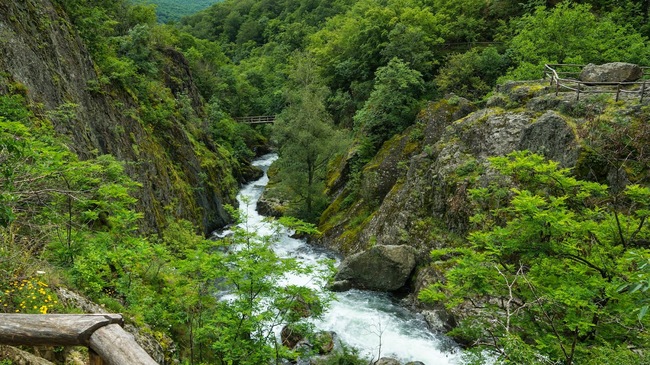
307, 140
253, 303
572, 33
393, 103
545, 263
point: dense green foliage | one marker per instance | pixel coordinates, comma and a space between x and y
79, 216
570, 33
379, 59
471, 74
351, 40
392, 104
366, 67
548, 264
56, 205
173, 10
307, 141
71, 222
133, 52
244, 273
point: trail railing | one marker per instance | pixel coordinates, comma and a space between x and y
258, 119
108, 342
566, 77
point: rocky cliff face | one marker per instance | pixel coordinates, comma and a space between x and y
415, 191
181, 171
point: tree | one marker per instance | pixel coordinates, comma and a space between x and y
571, 33
307, 140
472, 74
247, 275
392, 105
78, 214
352, 46
544, 266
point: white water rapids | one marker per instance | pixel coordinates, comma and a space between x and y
361, 319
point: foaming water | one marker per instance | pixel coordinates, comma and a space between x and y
368, 321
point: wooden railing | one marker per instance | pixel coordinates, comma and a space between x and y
566, 77
258, 119
103, 334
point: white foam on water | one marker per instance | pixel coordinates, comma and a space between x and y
368, 321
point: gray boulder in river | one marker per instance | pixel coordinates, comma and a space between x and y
381, 268
387, 361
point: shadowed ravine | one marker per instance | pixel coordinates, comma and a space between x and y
361, 319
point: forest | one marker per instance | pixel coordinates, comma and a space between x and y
541, 262
172, 10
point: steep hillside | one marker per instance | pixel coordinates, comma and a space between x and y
414, 191
502, 243
114, 169
181, 171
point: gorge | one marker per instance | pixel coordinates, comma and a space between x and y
372, 322
414, 138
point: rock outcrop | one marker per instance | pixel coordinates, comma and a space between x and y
381, 268
17, 356
611, 72
425, 203
270, 207
387, 361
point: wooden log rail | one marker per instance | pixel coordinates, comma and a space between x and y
103, 334
568, 82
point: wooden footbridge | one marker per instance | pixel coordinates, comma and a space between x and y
258, 119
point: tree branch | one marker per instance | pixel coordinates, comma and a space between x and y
581, 260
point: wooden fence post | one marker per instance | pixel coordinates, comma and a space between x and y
117, 347
643, 90
94, 358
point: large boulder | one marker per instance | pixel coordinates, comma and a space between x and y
291, 336
270, 207
381, 268
550, 135
611, 72
387, 361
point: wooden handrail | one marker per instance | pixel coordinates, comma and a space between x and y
257, 119
102, 333
588, 87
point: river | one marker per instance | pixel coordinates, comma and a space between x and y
361, 319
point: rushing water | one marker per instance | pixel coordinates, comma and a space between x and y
361, 319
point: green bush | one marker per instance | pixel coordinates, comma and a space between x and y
571, 33
472, 74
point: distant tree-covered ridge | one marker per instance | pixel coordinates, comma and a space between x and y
172, 10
